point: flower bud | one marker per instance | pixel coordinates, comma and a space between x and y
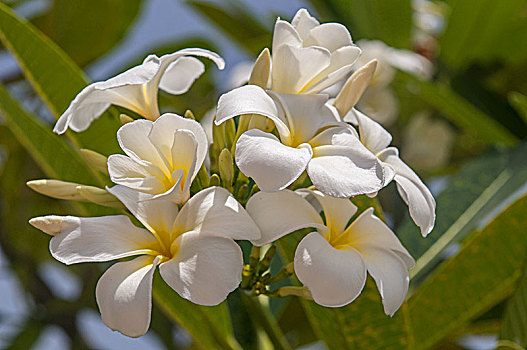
56, 189
125, 118
189, 114
261, 69
99, 196
225, 162
96, 160
51, 224
214, 180
354, 87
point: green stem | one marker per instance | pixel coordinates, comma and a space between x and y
284, 273
263, 317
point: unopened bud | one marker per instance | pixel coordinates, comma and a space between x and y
354, 87
96, 160
226, 168
266, 260
125, 119
99, 196
261, 69
56, 189
218, 135
53, 224
230, 132
189, 114
214, 180
258, 122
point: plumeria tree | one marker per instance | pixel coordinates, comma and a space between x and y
272, 222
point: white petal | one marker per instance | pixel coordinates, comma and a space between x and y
341, 64
280, 213
413, 191
206, 268
285, 34
157, 215
337, 211
99, 239
127, 172
295, 67
251, 99
332, 36
369, 230
372, 134
272, 165
124, 295
345, 168
215, 210
390, 274
303, 22
334, 277
181, 74
305, 114
326, 137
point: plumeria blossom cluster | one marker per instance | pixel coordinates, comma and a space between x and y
284, 157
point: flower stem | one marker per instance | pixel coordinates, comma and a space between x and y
286, 291
284, 273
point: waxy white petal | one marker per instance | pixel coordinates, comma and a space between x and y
372, 134
124, 295
99, 239
413, 191
280, 213
272, 165
334, 277
158, 215
294, 67
354, 87
390, 274
215, 210
181, 74
206, 267
303, 22
285, 34
337, 211
128, 172
331, 36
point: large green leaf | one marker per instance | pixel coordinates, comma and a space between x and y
386, 20
87, 29
54, 76
238, 23
475, 192
483, 31
209, 326
461, 112
466, 285
514, 326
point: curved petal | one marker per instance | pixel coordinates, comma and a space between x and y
285, 34
280, 213
372, 134
305, 114
331, 36
337, 211
99, 239
124, 295
413, 191
272, 165
345, 168
205, 269
158, 215
215, 210
369, 230
354, 87
294, 67
181, 74
127, 172
334, 277
303, 22
390, 274
251, 99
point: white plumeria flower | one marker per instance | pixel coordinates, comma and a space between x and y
162, 157
413, 191
136, 89
311, 139
194, 249
332, 262
308, 57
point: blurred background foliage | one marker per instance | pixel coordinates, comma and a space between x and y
463, 129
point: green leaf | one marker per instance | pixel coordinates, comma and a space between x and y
209, 326
359, 325
72, 26
519, 102
483, 273
462, 113
514, 327
54, 76
483, 31
386, 20
238, 23
475, 192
